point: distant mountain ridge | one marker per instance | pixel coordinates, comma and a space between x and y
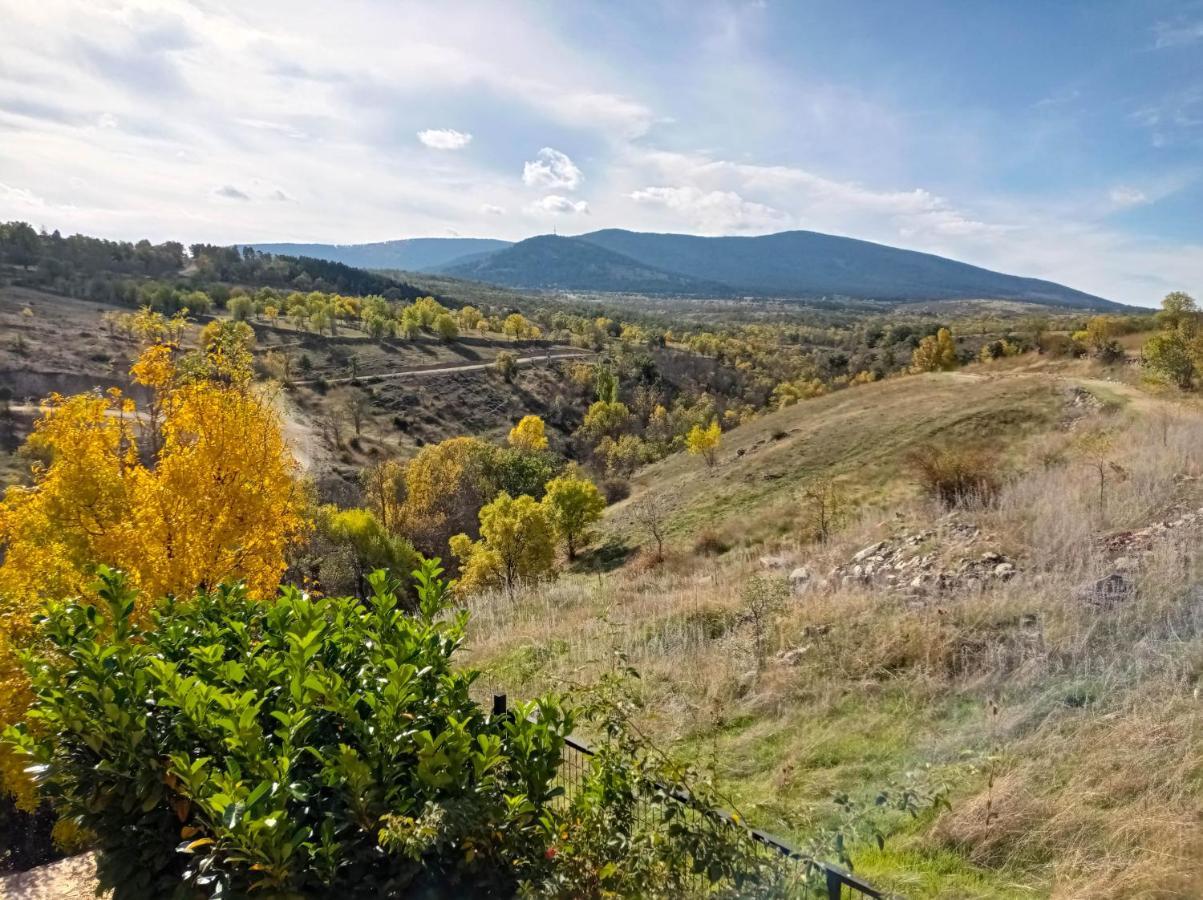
412, 254
789, 264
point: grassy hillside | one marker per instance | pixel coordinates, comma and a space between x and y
1037, 659
860, 435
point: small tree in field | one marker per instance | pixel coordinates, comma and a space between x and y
824, 507
935, 353
506, 364
573, 504
704, 442
650, 513
528, 434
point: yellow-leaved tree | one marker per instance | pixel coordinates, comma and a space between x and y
517, 544
572, 505
196, 488
704, 442
935, 353
529, 434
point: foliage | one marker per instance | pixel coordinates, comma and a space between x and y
528, 434
445, 486
217, 499
523, 471
704, 442
306, 747
572, 504
957, 476
371, 545
935, 353
516, 545
1168, 354
605, 418
506, 365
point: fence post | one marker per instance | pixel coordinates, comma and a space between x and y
834, 884
500, 707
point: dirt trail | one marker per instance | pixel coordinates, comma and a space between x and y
448, 369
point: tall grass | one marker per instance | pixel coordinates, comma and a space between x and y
1096, 753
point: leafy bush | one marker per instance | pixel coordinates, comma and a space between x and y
957, 476
309, 746
323, 747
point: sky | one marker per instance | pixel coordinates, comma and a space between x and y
1061, 140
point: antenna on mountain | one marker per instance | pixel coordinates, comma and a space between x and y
554, 232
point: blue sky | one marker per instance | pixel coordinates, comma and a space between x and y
1056, 139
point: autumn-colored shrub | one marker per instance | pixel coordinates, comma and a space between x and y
957, 476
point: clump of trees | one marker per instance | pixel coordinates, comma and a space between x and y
1175, 353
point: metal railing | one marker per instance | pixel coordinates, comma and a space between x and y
839, 884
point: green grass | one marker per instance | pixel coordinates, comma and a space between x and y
861, 435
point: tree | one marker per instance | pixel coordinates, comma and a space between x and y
573, 504
217, 500
516, 545
705, 442
356, 403
515, 325
824, 507
372, 545
605, 419
650, 512
240, 308
445, 327
528, 434
506, 364
935, 353
1169, 354
1177, 308
469, 318
445, 486
384, 489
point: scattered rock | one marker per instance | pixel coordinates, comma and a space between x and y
793, 657
869, 551
800, 579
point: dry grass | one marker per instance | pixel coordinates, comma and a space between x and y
1095, 748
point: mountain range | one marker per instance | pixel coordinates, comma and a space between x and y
789, 264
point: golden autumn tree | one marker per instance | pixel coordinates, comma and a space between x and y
935, 353
704, 442
446, 484
528, 434
194, 489
517, 545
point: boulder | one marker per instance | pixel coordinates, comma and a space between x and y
800, 579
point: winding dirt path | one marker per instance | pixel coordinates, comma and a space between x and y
448, 369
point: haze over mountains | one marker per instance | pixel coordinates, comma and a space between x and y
790, 264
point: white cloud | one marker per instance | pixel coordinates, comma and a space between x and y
554, 203
492, 209
712, 211
1177, 33
552, 170
1122, 197
444, 138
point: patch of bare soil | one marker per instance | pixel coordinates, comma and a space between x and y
73, 878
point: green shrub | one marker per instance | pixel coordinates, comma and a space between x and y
317, 747
308, 746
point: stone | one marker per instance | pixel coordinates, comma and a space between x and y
1004, 570
793, 657
800, 579
869, 551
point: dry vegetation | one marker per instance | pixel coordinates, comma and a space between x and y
1058, 704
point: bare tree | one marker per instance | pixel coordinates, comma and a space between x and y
355, 403
824, 507
650, 512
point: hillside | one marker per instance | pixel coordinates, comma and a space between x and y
413, 254
806, 263
1003, 657
792, 264
558, 263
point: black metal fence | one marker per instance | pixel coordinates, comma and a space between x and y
839, 884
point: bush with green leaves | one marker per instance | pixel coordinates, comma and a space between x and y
296, 748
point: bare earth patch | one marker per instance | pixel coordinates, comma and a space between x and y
68, 879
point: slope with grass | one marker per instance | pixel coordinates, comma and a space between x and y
1040, 672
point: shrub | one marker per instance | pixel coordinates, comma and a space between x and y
310, 746
709, 543
327, 747
957, 476
615, 489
